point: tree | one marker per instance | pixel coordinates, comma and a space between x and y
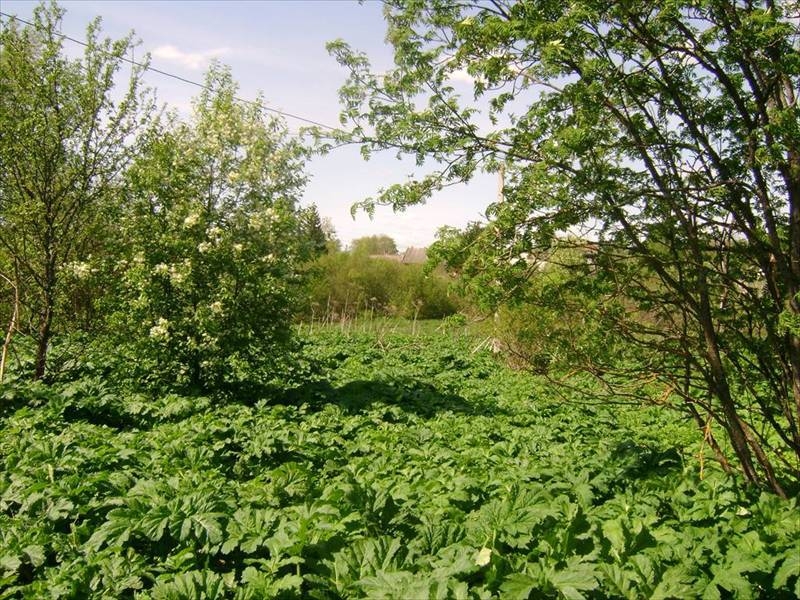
65, 141
374, 244
333, 243
212, 248
663, 132
313, 231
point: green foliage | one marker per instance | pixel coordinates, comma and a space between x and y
412, 467
424, 294
66, 136
212, 251
374, 244
313, 232
348, 284
664, 132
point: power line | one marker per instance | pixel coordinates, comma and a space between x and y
182, 79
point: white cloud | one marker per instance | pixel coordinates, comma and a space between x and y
191, 60
461, 76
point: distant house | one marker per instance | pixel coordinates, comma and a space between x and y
412, 256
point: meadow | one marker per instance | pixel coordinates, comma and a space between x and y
169, 429
390, 465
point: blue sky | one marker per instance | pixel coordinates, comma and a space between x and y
278, 48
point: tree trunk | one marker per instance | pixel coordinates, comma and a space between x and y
12, 326
46, 319
741, 442
722, 391
719, 380
763, 461
703, 426
792, 179
785, 97
43, 343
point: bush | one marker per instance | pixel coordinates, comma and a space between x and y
346, 284
212, 262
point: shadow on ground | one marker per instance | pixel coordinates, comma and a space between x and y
410, 395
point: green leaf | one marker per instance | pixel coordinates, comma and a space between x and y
209, 525
518, 586
205, 585
115, 531
483, 557
60, 509
229, 546
790, 568
35, 555
618, 581
10, 563
288, 582
154, 524
615, 534
576, 577
677, 582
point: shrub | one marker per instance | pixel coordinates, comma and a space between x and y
209, 278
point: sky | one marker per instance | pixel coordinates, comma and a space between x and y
278, 48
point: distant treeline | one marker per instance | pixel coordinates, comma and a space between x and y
370, 278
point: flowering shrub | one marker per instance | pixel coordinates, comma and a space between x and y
208, 284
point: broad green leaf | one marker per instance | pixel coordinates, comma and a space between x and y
614, 532
483, 557
518, 586
10, 563
578, 576
205, 585
35, 555
790, 568
677, 582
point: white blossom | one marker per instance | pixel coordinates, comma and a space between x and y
177, 277
160, 331
215, 233
192, 219
80, 270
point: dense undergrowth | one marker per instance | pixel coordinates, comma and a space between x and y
408, 467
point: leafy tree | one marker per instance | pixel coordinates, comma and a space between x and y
213, 249
65, 140
374, 244
664, 132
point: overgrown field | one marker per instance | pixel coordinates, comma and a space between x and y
410, 467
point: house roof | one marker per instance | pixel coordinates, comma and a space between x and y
414, 256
